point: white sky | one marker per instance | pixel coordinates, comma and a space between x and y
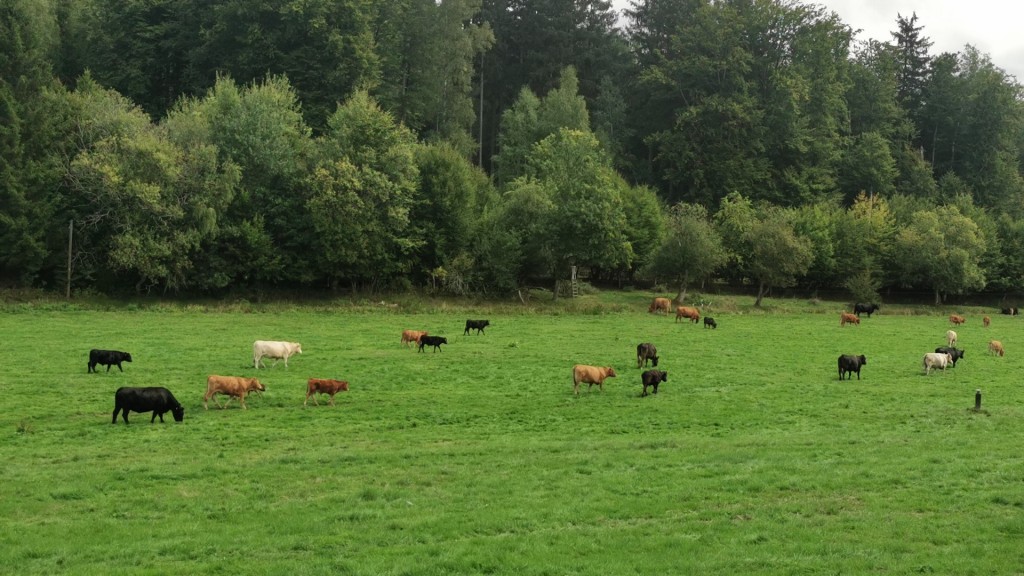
995, 27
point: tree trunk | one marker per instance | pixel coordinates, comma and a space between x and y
938, 298
681, 296
760, 294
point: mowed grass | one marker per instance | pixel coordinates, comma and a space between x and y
753, 458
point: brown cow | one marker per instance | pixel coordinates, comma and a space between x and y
957, 319
986, 321
847, 318
412, 336
687, 312
995, 347
324, 386
590, 375
660, 305
232, 386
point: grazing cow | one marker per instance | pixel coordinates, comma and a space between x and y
409, 336
434, 341
660, 305
847, 318
1009, 311
995, 347
231, 386
645, 352
271, 349
868, 309
156, 399
848, 364
709, 322
477, 325
653, 378
324, 386
957, 319
590, 375
687, 312
936, 360
986, 321
107, 357
954, 353
950, 338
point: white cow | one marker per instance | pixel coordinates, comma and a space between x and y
272, 349
936, 360
950, 338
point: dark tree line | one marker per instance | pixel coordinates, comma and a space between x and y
481, 145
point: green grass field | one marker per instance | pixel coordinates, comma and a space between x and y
753, 458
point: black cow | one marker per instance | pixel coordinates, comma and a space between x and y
156, 399
710, 322
434, 341
1009, 311
108, 357
868, 309
653, 378
848, 364
645, 352
479, 325
954, 353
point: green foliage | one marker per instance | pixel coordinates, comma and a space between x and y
362, 195
940, 250
778, 256
868, 167
691, 250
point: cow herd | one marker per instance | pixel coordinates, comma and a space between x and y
159, 400
943, 357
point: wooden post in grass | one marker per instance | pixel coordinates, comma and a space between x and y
977, 400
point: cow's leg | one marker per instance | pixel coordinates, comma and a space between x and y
108, 367
645, 391
153, 419
119, 367
332, 399
116, 410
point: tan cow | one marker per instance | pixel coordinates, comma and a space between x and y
847, 318
590, 375
231, 386
687, 312
995, 347
412, 336
324, 386
986, 321
950, 338
660, 305
957, 319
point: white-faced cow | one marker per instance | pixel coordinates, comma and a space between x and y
936, 360
273, 349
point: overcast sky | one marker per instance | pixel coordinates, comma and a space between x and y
995, 27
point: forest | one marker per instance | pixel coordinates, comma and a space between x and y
211, 147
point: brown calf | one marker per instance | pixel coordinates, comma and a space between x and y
231, 386
995, 347
412, 336
324, 386
847, 318
660, 305
957, 319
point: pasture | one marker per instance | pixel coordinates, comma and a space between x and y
753, 458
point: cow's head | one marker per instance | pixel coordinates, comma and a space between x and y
298, 348
663, 375
178, 412
127, 357
610, 372
654, 359
255, 384
443, 340
863, 360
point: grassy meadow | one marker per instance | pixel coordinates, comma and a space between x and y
752, 459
